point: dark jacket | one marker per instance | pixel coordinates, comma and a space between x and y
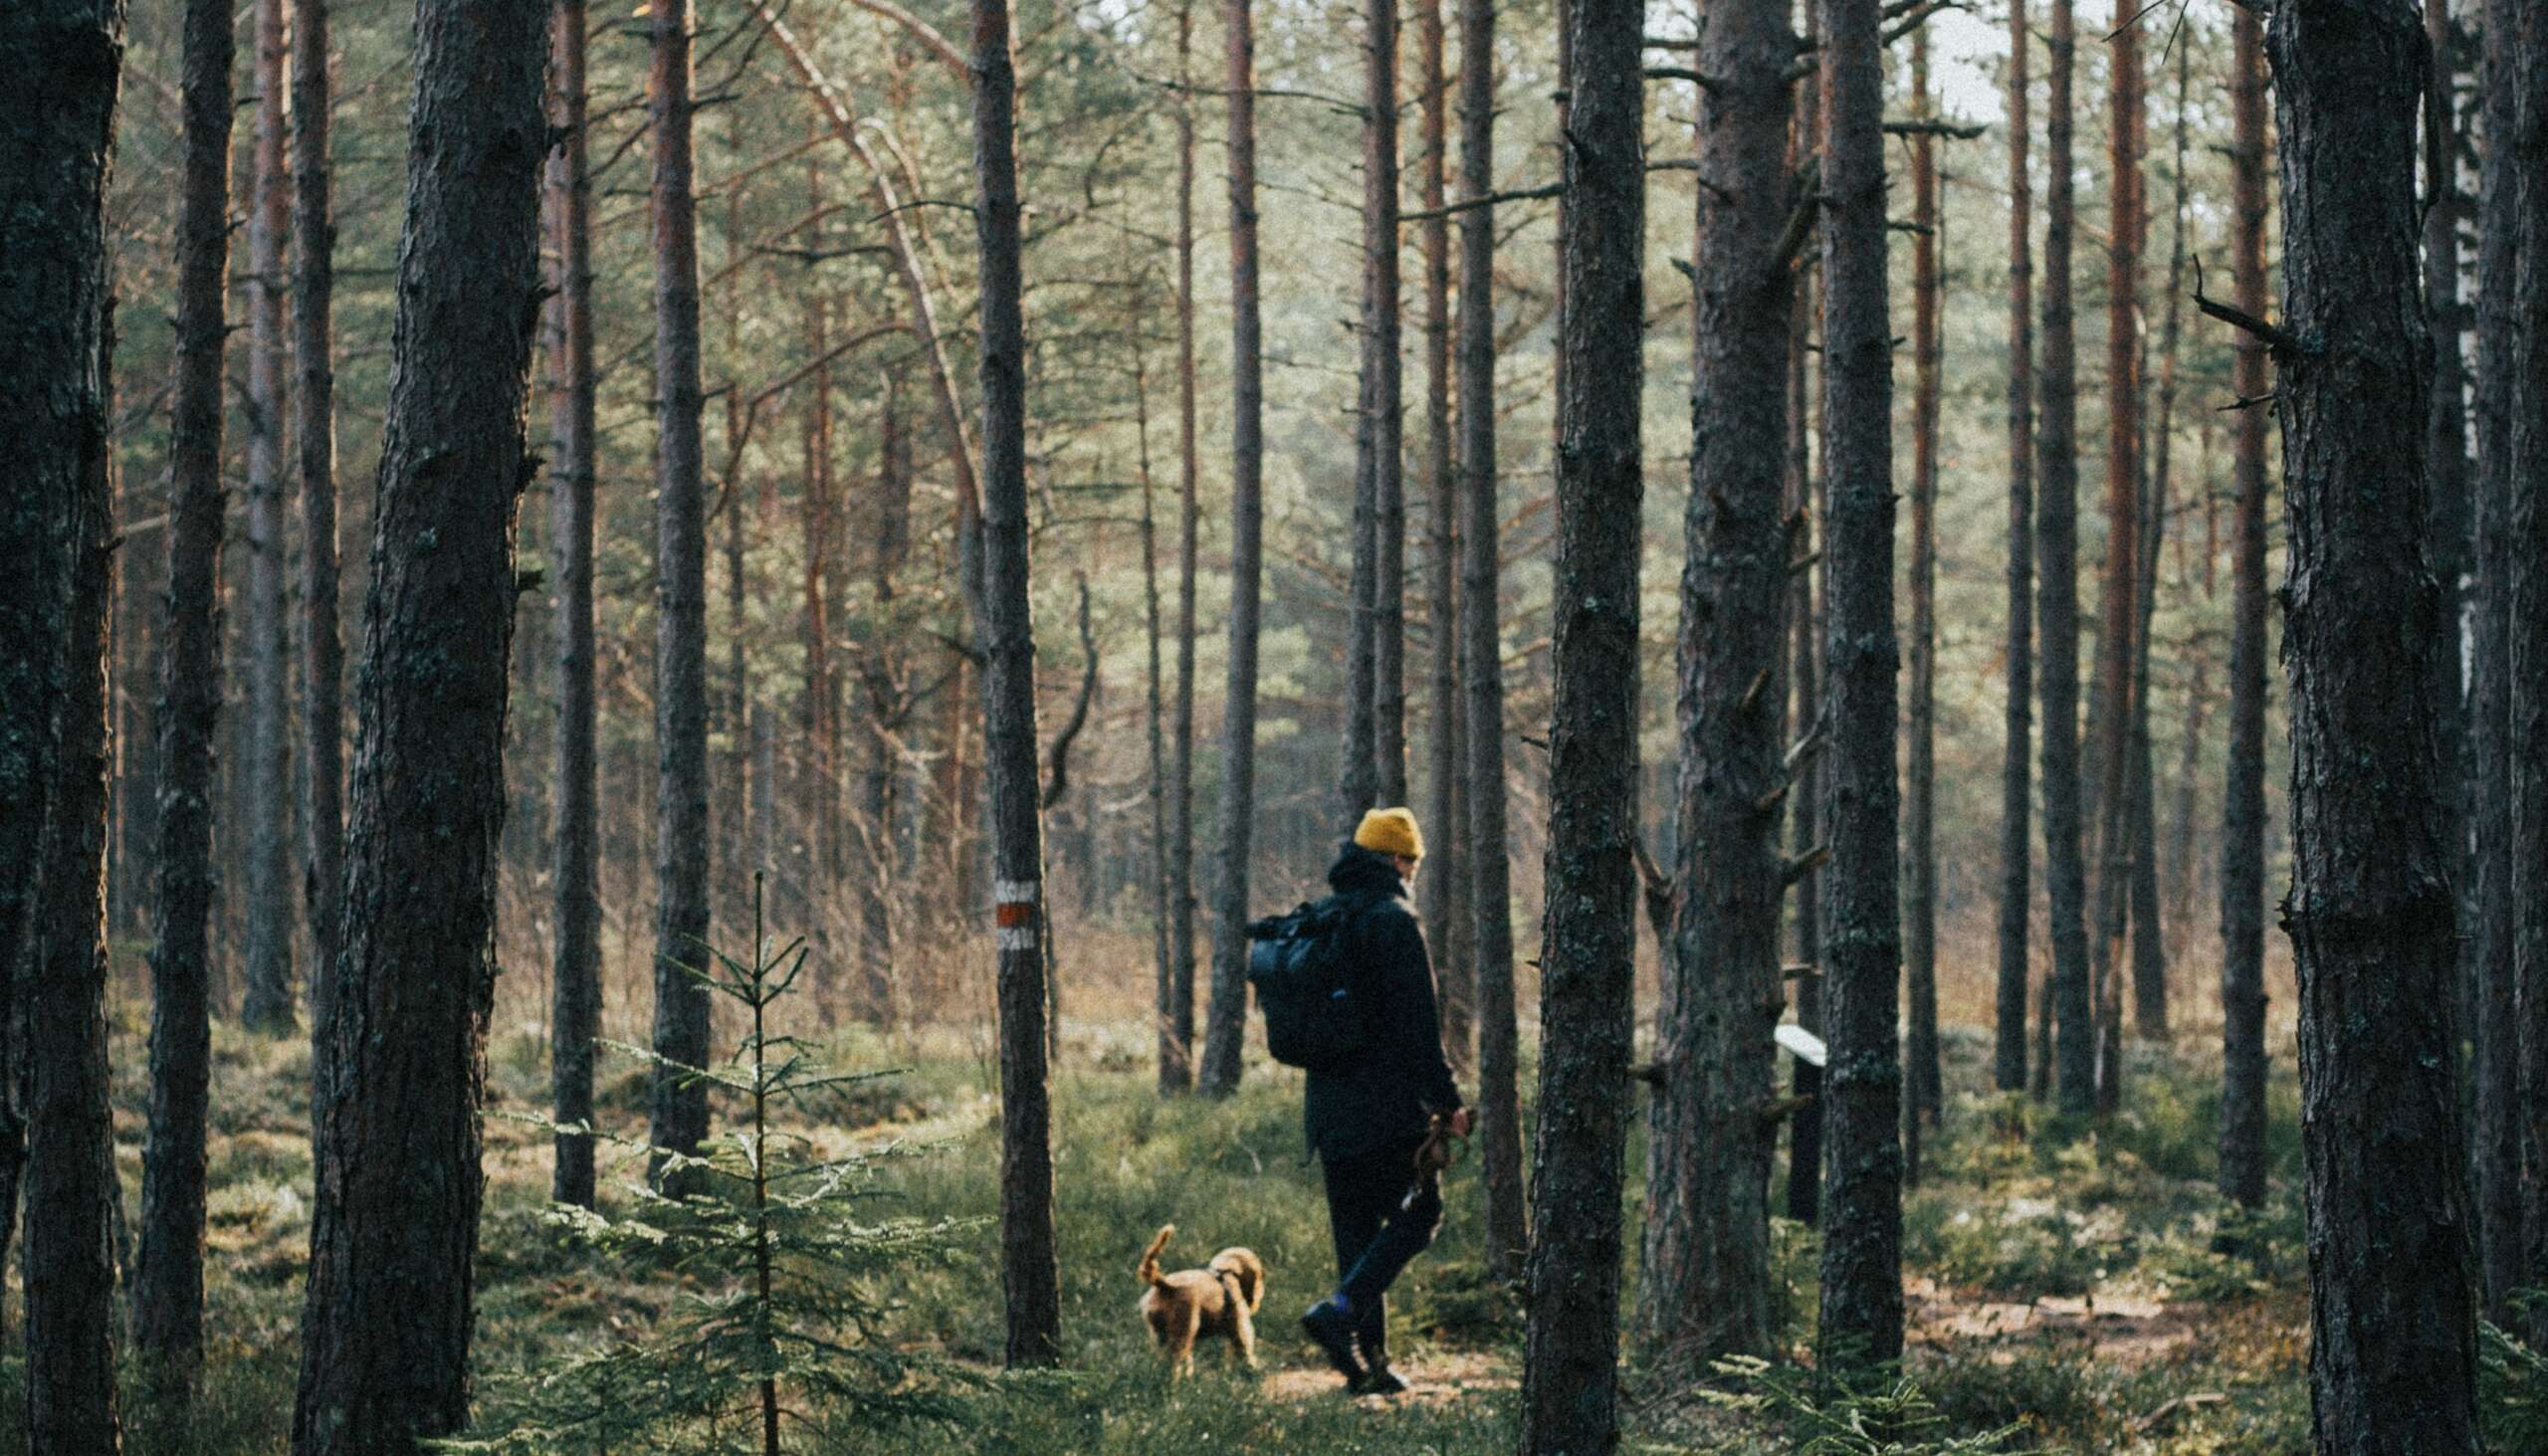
1384, 1095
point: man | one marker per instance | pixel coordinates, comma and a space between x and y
1368, 1119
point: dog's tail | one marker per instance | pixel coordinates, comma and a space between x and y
1148, 1272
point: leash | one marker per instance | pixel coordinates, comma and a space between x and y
1440, 1151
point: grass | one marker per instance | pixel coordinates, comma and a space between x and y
2065, 1281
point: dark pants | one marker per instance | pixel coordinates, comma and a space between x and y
1377, 1230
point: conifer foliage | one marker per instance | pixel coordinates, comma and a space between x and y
785, 1257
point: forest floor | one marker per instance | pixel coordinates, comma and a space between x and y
2063, 1283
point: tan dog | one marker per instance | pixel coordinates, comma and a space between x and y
1219, 1299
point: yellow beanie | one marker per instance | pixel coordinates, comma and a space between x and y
1390, 832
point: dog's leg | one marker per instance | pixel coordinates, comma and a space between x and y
1180, 1348
1243, 1334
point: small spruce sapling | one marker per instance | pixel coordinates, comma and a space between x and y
784, 1326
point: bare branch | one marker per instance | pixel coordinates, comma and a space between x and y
2274, 337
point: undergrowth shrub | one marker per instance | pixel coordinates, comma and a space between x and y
2512, 1385
2049, 1388
1891, 1417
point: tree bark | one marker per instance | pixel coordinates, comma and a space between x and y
575, 976
1029, 1276
1374, 755
2488, 944
888, 707
2149, 954
168, 1292
2112, 708
385, 1331
1924, 1095
313, 428
819, 801
2149, 937
1181, 828
1443, 893
71, 1193
269, 1004
1704, 1287
679, 1106
2057, 598
1570, 1366
1175, 1073
1482, 660
1805, 795
1227, 1022
2527, 583
1384, 417
2016, 781
57, 349
2392, 1334
1861, 1299
2243, 870
2447, 473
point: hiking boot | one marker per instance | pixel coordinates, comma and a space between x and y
1332, 1330
1379, 1379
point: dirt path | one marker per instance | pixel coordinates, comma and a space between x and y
1434, 1377
2126, 1330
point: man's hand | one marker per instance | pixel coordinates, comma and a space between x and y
1461, 1120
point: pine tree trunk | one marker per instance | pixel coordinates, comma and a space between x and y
1805, 795
2488, 943
1922, 1090
575, 975
1227, 1023
57, 347
1482, 662
818, 798
1862, 1319
1445, 906
2150, 976
1704, 1286
323, 661
71, 1193
679, 1108
1383, 405
2111, 705
2058, 599
168, 1292
2393, 1334
2149, 955
2526, 428
1374, 754
2243, 870
385, 1331
1570, 1366
2016, 781
1175, 1073
1030, 1277
269, 1004
1180, 829
2446, 474
888, 707
141, 593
